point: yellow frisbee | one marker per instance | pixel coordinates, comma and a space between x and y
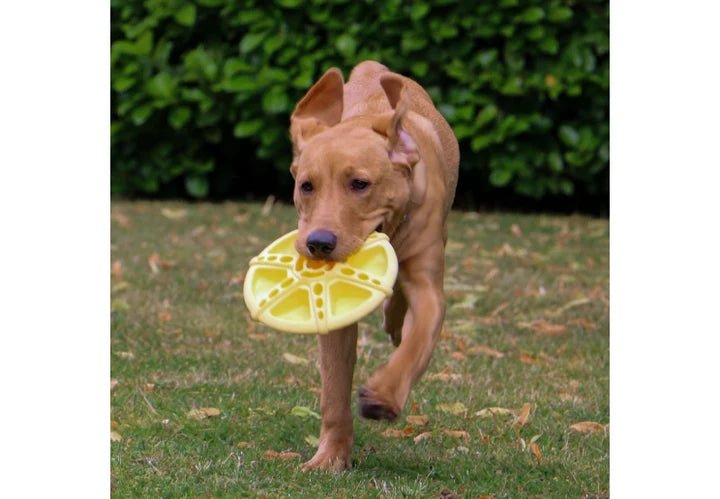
295, 294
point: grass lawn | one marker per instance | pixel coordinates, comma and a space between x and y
200, 394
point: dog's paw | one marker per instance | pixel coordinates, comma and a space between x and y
372, 406
335, 460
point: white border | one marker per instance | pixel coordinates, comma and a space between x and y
54, 263
665, 248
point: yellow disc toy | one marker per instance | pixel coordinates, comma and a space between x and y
295, 294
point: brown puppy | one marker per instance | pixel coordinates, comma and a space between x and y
374, 154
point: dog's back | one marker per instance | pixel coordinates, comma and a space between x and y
364, 95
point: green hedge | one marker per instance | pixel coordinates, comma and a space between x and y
202, 89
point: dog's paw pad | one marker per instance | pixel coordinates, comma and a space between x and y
371, 408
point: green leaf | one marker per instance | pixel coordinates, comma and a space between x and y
304, 412
275, 101
179, 116
487, 56
531, 15
549, 45
250, 41
200, 63
197, 186
240, 84
482, 141
419, 10
273, 43
161, 86
185, 15
247, 128
122, 83
569, 135
140, 114
555, 161
346, 45
501, 178
412, 42
419, 68
559, 14
312, 440
289, 4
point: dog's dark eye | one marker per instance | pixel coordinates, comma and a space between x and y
359, 185
306, 187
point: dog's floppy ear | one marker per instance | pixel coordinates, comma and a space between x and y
320, 109
402, 149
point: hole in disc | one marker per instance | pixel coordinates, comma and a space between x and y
319, 302
317, 289
286, 259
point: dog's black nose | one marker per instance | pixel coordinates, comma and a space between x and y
321, 242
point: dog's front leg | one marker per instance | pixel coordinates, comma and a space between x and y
337, 363
387, 390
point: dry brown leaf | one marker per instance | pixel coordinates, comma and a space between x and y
468, 263
238, 279
114, 425
418, 420
491, 274
285, 455
243, 445
121, 219
203, 412
149, 387
177, 214
113, 383
523, 414
294, 359
486, 350
536, 451
458, 356
588, 427
257, 337
121, 286
457, 434
126, 355
422, 436
571, 304
494, 411
115, 436
156, 263
443, 376
268, 205
544, 328
583, 323
527, 359
454, 408
516, 230
116, 270
164, 316
395, 433
499, 309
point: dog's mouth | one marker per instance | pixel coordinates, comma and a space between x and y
379, 227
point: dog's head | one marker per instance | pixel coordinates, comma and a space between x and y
351, 177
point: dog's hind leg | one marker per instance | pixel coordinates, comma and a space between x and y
394, 310
387, 390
